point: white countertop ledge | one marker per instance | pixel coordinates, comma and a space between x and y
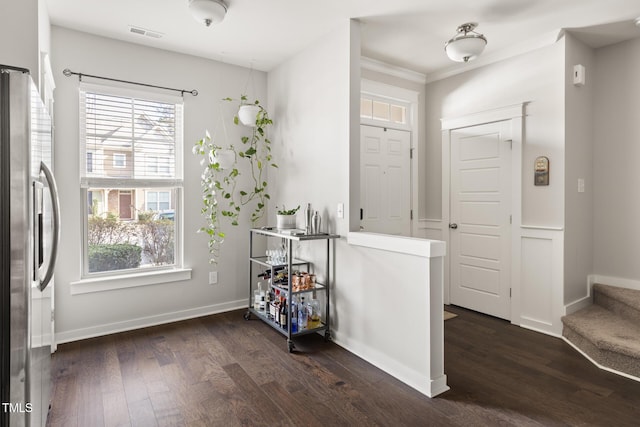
407, 245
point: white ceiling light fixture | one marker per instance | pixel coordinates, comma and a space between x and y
466, 45
208, 12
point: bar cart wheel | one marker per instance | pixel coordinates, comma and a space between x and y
247, 315
327, 336
290, 345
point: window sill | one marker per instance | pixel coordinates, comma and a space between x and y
102, 284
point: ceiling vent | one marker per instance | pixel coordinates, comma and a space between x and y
144, 32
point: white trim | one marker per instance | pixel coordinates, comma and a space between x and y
144, 322
392, 70
123, 281
614, 281
551, 293
605, 368
516, 114
488, 116
578, 304
413, 378
544, 331
402, 244
541, 228
372, 87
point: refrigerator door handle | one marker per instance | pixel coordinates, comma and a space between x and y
55, 204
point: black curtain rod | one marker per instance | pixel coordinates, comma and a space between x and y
67, 72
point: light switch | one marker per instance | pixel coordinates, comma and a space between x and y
579, 75
340, 211
580, 185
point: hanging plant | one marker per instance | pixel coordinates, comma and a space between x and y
221, 194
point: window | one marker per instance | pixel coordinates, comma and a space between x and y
131, 178
158, 166
158, 201
89, 162
119, 161
381, 109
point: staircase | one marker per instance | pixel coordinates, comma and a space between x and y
609, 330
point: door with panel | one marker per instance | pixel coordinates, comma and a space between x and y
385, 180
480, 218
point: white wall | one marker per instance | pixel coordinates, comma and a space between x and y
19, 29
380, 298
89, 314
616, 152
579, 107
535, 77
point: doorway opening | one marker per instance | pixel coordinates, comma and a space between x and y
388, 150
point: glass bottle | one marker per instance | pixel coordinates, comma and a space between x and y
283, 313
294, 315
314, 312
302, 315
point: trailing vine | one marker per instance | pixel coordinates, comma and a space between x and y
220, 193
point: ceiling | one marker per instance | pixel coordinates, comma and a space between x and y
407, 33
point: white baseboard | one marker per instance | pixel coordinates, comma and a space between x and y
417, 380
605, 368
615, 281
541, 327
144, 322
578, 304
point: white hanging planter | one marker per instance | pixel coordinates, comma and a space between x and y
248, 114
224, 157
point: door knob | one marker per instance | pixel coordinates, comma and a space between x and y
453, 226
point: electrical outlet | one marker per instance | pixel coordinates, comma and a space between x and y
213, 277
580, 185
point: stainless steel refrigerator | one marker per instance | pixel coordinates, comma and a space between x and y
29, 234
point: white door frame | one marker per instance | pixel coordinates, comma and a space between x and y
516, 114
410, 97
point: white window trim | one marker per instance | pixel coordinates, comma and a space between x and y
132, 280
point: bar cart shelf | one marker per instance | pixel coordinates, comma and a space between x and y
288, 237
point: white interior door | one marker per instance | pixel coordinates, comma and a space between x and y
385, 180
480, 231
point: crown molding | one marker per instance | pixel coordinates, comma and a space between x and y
392, 70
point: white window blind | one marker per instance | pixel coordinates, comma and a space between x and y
128, 139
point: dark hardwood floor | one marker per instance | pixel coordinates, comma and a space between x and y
224, 371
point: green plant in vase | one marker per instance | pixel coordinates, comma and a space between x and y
222, 195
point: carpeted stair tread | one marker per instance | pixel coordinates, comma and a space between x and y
606, 331
629, 297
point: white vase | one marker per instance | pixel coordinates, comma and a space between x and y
285, 221
248, 114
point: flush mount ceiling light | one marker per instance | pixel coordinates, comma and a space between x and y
466, 45
208, 12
